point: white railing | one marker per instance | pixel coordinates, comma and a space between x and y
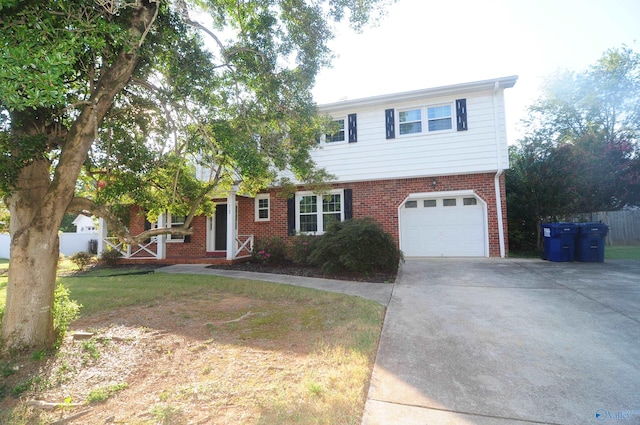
130, 251
245, 246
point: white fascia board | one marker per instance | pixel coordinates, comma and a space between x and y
456, 89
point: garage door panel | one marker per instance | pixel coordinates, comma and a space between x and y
443, 231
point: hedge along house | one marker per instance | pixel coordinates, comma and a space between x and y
427, 165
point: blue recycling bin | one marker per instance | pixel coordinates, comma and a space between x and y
590, 242
559, 241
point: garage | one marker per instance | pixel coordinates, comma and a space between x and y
451, 224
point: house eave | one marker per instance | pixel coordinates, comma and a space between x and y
450, 90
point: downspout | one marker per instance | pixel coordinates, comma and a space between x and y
496, 180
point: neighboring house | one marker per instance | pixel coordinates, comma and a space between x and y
426, 164
84, 224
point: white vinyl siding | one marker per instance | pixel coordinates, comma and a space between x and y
421, 154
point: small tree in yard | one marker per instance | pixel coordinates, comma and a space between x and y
105, 103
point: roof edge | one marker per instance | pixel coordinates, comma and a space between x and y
474, 86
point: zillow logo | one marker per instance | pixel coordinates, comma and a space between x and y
620, 415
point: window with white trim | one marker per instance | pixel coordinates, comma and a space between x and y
338, 135
439, 118
314, 213
427, 119
263, 202
410, 121
175, 221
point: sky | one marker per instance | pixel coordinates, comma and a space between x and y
427, 43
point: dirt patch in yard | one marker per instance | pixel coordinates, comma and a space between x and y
210, 359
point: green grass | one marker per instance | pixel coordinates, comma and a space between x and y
610, 253
102, 394
622, 253
332, 390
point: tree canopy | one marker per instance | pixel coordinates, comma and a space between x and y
580, 152
112, 102
223, 85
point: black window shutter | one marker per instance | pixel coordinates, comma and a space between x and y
353, 128
291, 216
461, 112
390, 123
187, 238
147, 226
348, 204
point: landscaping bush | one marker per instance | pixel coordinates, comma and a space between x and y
357, 245
81, 260
110, 257
65, 311
300, 249
270, 250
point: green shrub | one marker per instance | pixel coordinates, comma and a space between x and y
358, 245
270, 250
300, 249
81, 260
65, 311
110, 257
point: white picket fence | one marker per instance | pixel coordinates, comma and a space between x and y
70, 243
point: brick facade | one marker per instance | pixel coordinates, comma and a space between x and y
381, 199
377, 199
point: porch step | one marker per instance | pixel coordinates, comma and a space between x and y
181, 260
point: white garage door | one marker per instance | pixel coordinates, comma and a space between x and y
452, 226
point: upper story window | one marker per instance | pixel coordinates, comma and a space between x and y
338, 135
439, 118
410, 121
262, 207
426, 119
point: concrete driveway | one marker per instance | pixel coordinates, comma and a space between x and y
509, 341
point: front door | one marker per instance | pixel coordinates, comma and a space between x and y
217, 229
220, 238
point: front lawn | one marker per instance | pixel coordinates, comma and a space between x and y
164, 348
622, 252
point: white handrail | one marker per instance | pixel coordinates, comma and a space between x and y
247, 246
126, 251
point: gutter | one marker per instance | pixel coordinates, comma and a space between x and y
496, 180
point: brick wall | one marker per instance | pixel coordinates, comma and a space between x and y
381, 199
377, 199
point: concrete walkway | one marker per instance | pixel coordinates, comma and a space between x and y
497, 342
380, 292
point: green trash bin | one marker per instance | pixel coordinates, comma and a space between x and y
590, 242
559, 241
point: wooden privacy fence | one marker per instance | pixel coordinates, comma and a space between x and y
624, 226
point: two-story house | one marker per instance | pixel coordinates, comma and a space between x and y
427, 165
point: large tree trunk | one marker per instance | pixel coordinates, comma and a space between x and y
38, 202
28, 319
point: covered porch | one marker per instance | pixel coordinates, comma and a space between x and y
215, 240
